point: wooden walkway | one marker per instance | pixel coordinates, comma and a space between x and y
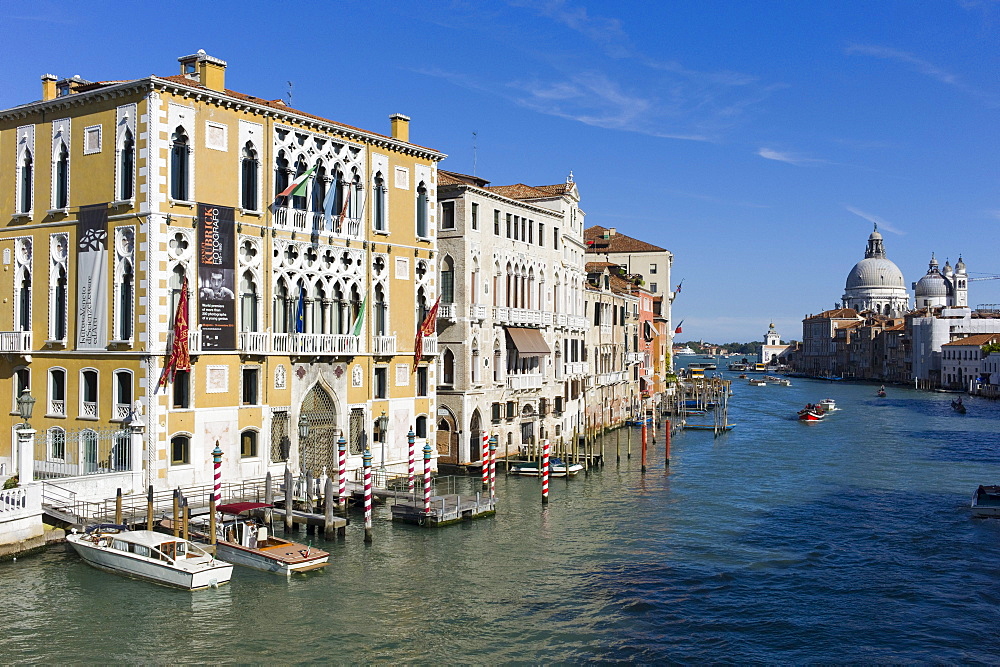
445, 509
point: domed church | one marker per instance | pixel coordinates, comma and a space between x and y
876, 283
946, 287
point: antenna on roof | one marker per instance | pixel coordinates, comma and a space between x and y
475, 151
290, 86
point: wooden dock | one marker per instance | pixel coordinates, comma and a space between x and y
445, 509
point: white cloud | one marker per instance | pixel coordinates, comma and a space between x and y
881, 222
781, 156
926, 68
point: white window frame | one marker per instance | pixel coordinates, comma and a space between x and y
83, 403
49, 400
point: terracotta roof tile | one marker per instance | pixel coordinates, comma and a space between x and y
836, 314
519, 191
976, 339
446, 177
596, 243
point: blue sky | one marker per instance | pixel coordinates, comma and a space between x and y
758, 141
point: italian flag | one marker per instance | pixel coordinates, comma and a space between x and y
298, 186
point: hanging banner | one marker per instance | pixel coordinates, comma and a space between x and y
217, 277
92, 278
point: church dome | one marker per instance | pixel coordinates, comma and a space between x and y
931, 285
874, 272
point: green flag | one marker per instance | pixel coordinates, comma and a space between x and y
356, 329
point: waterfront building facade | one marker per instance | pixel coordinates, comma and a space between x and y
773, 352
962, 361
511, 325
128, 199
639, 258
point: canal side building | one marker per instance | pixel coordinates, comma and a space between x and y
126, 199
511, 324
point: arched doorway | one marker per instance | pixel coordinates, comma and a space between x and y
447, 438
475, 436
319, 448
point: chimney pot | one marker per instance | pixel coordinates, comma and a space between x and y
49, 87
400, 127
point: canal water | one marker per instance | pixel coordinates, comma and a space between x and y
847, 540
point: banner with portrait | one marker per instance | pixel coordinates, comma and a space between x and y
217, 277
92, 278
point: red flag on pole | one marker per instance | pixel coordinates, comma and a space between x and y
427, 328
179, 359
678, 329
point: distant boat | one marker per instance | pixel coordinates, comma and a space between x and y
828, 405
958, 406
986, 502
811, 413
753, 382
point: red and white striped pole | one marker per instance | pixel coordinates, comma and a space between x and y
427, 479
545, 471
342, 473
493, 470
217, 464
410, 439
486, 458
367, 463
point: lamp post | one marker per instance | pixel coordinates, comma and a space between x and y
383, 426
303, 428
25, 406
25, 438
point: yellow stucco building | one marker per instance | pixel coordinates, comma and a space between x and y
302, 309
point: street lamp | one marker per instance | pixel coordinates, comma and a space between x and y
383, 426
25, 406
303, 427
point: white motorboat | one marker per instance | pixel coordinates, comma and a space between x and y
828, 404
557, 468
145, 554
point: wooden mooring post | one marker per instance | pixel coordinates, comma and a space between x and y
289, 501
149, 508
118, 506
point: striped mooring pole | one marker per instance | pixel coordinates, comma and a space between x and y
545, 471
427, 480
493, 470
486, 458
411, 438
644, 436
367, 463
342, 473
217, 463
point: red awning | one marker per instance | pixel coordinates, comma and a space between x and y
238, 508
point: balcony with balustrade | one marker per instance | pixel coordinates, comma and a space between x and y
430, 346
615, 377
634, 357
447, 311
316, 344
572, 368
311, 222
384, 346
477, 312
520, 317
15, 341
524, 381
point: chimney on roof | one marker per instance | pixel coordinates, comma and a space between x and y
612, 231
49, 87
400, 127
203, 68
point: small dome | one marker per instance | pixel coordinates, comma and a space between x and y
875, 272
960, 267
931, 285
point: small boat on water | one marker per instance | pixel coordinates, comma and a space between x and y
986, 502
639, 422
245, 540
146, 554
828, 405
784, 382
753, 382
958, 406
881, 392
557, 468
812, 413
